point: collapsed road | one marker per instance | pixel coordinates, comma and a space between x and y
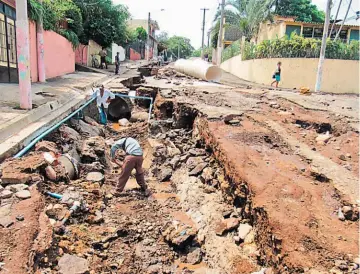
244, 181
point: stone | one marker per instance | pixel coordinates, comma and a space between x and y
342, 157
234, 122
274, 105
197, 152
23, 194
175, 162
17, 187
20, 218
348, 155
70, 264
340, 215
6, 194
6, 221
244, 230
85, 128
192, 162
90, 121
46, 146
56, 211
139, 116
124, 122
165, 174
226, 225
198, 169
207, 174
95, 177
69, 134
194, 256
50, 173
323, 138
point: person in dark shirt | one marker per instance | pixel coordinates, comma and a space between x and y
117, 63
276, 75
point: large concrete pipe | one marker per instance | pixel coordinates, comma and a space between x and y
199, 69
119, 108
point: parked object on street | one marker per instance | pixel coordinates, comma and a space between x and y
199, 69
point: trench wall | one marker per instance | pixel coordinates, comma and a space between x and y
339, 76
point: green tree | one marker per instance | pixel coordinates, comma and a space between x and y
141, 34
162, 37
178, 42
245, 14
207, 50
103, 22
304, 10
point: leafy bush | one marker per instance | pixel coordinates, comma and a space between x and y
231, 51
299, 47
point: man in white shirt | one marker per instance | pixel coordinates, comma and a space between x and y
103, 98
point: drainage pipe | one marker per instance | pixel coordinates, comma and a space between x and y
46, 132
139, 97
198, 68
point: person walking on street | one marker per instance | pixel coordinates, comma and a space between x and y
103, 98
117, 63
133, 159
276, 75
103, 54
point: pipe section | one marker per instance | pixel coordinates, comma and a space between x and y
199, 69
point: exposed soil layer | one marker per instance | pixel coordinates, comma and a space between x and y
296, 219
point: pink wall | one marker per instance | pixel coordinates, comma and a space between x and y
81, 54
33, 54
58, 54
134, 55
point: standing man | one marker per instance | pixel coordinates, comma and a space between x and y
133, 159
103, 54
117, 63
103, 98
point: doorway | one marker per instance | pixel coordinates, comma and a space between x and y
8, 58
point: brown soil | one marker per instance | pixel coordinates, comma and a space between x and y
286, 202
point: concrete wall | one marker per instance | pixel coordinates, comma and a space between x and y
134, 55
116, 48
339, 76
58, 54
93, 48
269, 31
81, 54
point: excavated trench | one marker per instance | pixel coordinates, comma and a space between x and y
204, 216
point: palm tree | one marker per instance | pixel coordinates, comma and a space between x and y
246, 14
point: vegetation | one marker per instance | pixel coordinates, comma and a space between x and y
247, 15
141, 34
231, 51
173, 44
294, 47
302, 9
207, 50
97, 20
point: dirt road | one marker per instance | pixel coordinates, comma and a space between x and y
244, 180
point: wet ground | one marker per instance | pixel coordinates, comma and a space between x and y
243, 181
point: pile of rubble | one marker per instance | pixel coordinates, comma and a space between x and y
170, 74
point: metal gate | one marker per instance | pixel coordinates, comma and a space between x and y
8, 59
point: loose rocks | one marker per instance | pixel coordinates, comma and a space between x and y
5, 194
70, 264
226, 225
23, 194
95, 177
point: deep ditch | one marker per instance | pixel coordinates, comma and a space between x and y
201, 216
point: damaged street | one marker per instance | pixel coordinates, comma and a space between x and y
244, 179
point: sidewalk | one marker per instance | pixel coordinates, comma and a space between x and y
52, 101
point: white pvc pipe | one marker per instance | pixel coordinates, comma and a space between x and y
199, 69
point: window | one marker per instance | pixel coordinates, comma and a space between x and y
308, 32
318, 33
291, 29
10, 12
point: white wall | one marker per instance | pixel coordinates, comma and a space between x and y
115, 48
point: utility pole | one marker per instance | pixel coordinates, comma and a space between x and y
23, 54
208, 41
148, 39
342, 24
40, 47
323, 46
203, 33
219, 47
337, 13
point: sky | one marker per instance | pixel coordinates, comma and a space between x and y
184, 17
